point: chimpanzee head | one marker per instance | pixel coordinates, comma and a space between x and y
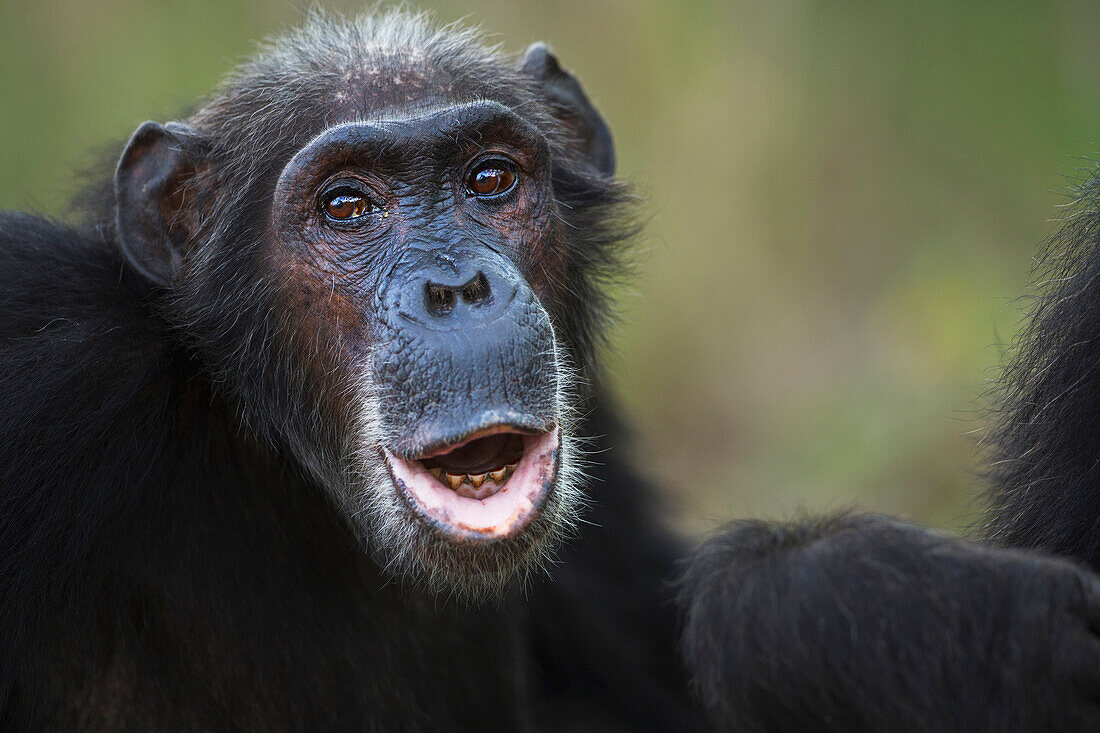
385, 243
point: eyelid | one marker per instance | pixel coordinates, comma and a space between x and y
495, 157
342, 187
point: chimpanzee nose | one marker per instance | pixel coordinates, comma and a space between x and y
455, 295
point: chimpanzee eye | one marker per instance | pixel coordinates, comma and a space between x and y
344, 204
491, 178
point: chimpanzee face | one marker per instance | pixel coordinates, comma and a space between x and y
402, 297
419, 241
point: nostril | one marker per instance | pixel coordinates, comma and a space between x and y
439, 299
477, 290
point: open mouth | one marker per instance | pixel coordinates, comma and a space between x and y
485, 487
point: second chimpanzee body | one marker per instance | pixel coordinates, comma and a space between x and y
292, 421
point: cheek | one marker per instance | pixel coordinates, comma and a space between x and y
322, 328
325, 279
547, 261
534, 242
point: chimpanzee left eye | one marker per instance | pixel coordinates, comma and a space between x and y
491, 178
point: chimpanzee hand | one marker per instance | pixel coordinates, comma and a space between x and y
862, 623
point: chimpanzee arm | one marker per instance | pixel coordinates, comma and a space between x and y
863, 623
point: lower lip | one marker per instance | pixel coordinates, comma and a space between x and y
502, 515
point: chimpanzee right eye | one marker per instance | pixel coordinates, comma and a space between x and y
345, 204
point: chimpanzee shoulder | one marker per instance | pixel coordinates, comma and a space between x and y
75, 347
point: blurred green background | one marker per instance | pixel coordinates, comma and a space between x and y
845, 198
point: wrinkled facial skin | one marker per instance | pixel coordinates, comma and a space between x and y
431, 296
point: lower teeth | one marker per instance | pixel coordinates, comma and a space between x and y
475, 480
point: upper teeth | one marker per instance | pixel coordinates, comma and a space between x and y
455, 480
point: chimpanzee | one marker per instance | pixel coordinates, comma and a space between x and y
293, 438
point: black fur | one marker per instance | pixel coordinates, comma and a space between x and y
864, 623
1045, 467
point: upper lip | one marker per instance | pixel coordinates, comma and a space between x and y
438, 449
435, 437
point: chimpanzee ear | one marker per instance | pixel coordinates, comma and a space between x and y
565, 93
150, 195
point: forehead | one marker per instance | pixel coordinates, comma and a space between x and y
399, 82
278, 103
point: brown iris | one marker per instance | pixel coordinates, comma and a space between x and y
491, 178
345, 204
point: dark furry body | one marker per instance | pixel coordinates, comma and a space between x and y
196, 580
863, 623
